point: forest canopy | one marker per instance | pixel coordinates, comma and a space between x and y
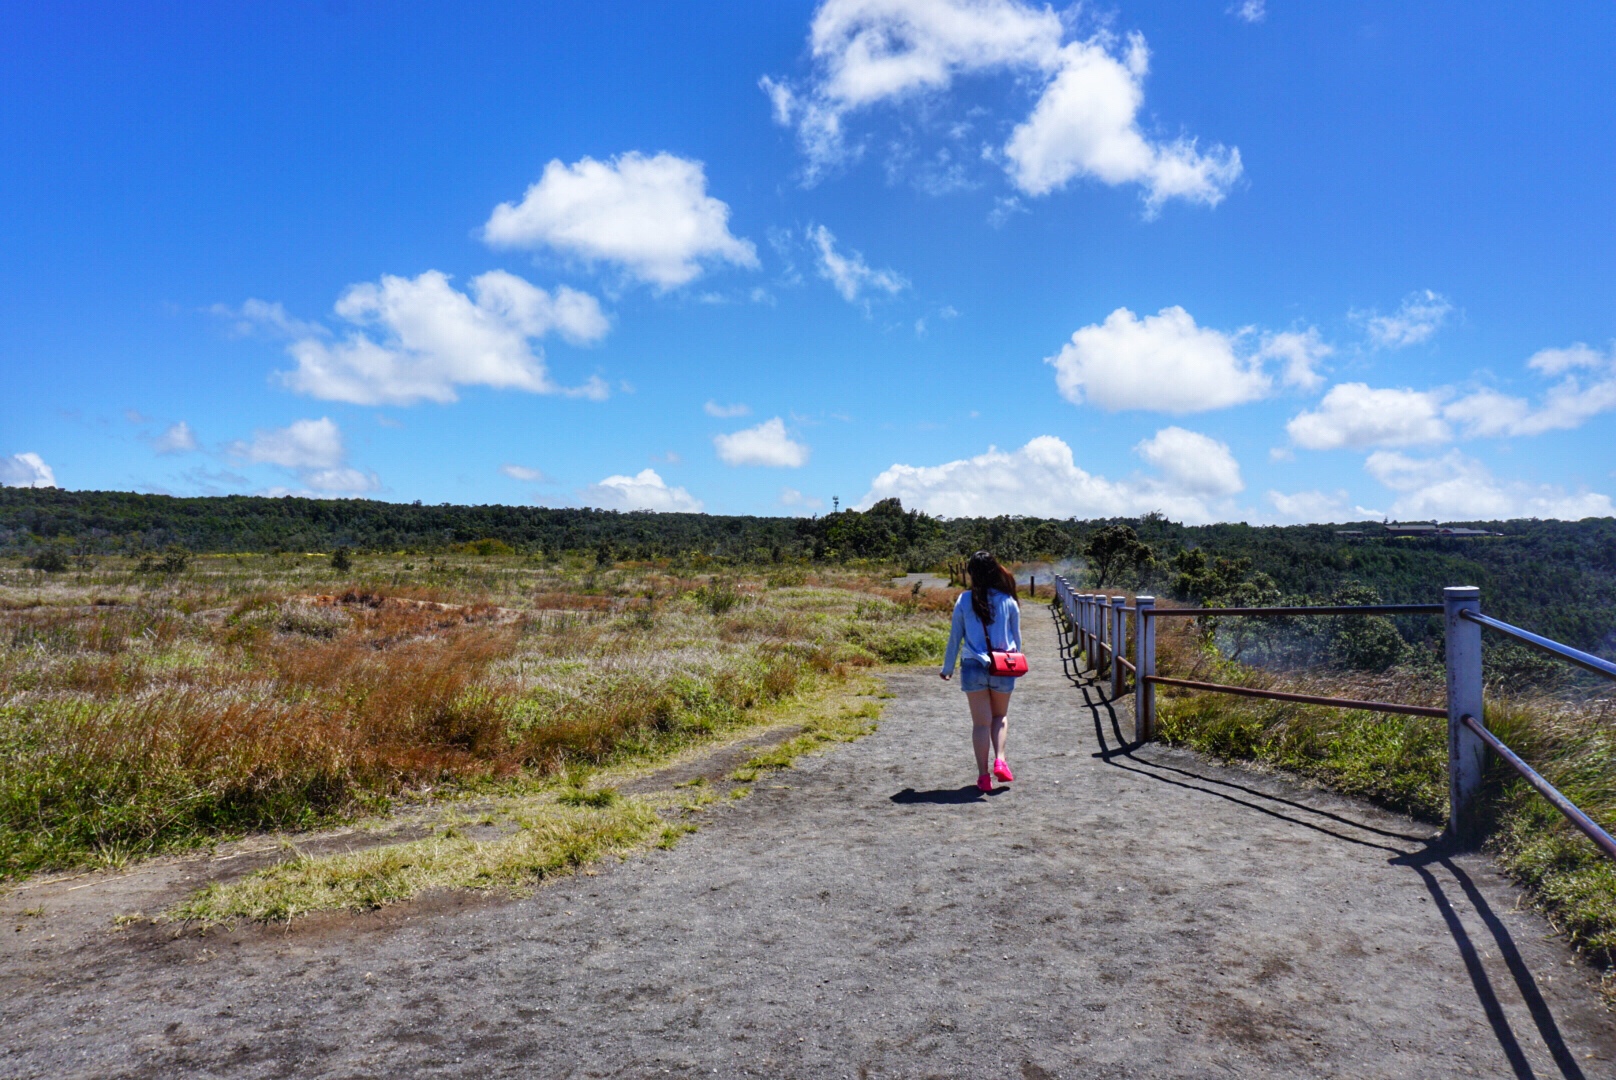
1557, 577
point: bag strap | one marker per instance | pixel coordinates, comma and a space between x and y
987, 634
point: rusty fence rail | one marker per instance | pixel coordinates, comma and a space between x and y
1099, 635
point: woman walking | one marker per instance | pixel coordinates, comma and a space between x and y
986, 620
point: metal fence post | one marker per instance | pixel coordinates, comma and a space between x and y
1088, 631
1467, 754
1144, 693
1102, 626
1119, 643
1083, 628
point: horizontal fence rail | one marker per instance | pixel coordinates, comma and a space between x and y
1564, 652
1365, 609
1305, 699
1573, 813
1097, 638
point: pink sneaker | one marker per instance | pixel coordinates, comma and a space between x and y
1001, 769
984, 783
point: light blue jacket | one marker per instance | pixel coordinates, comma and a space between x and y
1001, 635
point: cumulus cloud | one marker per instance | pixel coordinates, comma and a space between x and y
651, 216
1454, 486
1085, 126
525, 474
1193, 463
255, 316
26, 469
431, 338
1586, 389
1250, 11
1300, 352
1315, 507
313, 451
303, 444
1162, 362
1085, 120
177, 438
643, 491
851, 275
726, 412
1354, 415
766, 444
1418, 319
1573, 357
1042, 479
794, 498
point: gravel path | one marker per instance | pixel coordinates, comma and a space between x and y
866, 914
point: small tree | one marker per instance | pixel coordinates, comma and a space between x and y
1113, 550
52, 560
342, 560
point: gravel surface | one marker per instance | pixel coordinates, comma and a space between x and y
867, 914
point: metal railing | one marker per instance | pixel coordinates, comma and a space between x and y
1097, 636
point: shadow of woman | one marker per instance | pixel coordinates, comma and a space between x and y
946, 796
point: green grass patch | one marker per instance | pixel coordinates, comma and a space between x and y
548, 840
845, 725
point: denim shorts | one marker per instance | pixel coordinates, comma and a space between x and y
974, 675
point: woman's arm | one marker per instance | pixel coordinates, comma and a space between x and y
956, 632
1013, 625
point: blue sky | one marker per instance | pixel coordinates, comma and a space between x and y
1261, 261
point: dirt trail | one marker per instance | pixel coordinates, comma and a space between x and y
866, 914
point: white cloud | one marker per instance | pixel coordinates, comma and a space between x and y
525, 474
850, 273
264, 317
1418, 319
781, 100
1162, 362
793, 497
766, 444
1587, 389
1559, 361
26, 469
1085, 122
643, 491
1354, 415
312, 450
1313, 507
304, 444
1085, 125
1251, 11
344, 480
1042, 479
1300, 352
176, 439
725, 412
650, 215
1454, 486
1192, 462
434, 338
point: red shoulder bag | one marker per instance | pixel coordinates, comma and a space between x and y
1012, 664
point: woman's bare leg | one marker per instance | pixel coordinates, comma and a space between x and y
1000, 707
981, 724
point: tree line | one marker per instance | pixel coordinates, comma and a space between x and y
1556, 577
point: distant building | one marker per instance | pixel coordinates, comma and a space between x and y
1432, 529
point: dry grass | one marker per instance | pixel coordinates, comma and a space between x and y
140, 713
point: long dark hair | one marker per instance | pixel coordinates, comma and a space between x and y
986, 574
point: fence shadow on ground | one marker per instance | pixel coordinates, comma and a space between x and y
1418, 853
